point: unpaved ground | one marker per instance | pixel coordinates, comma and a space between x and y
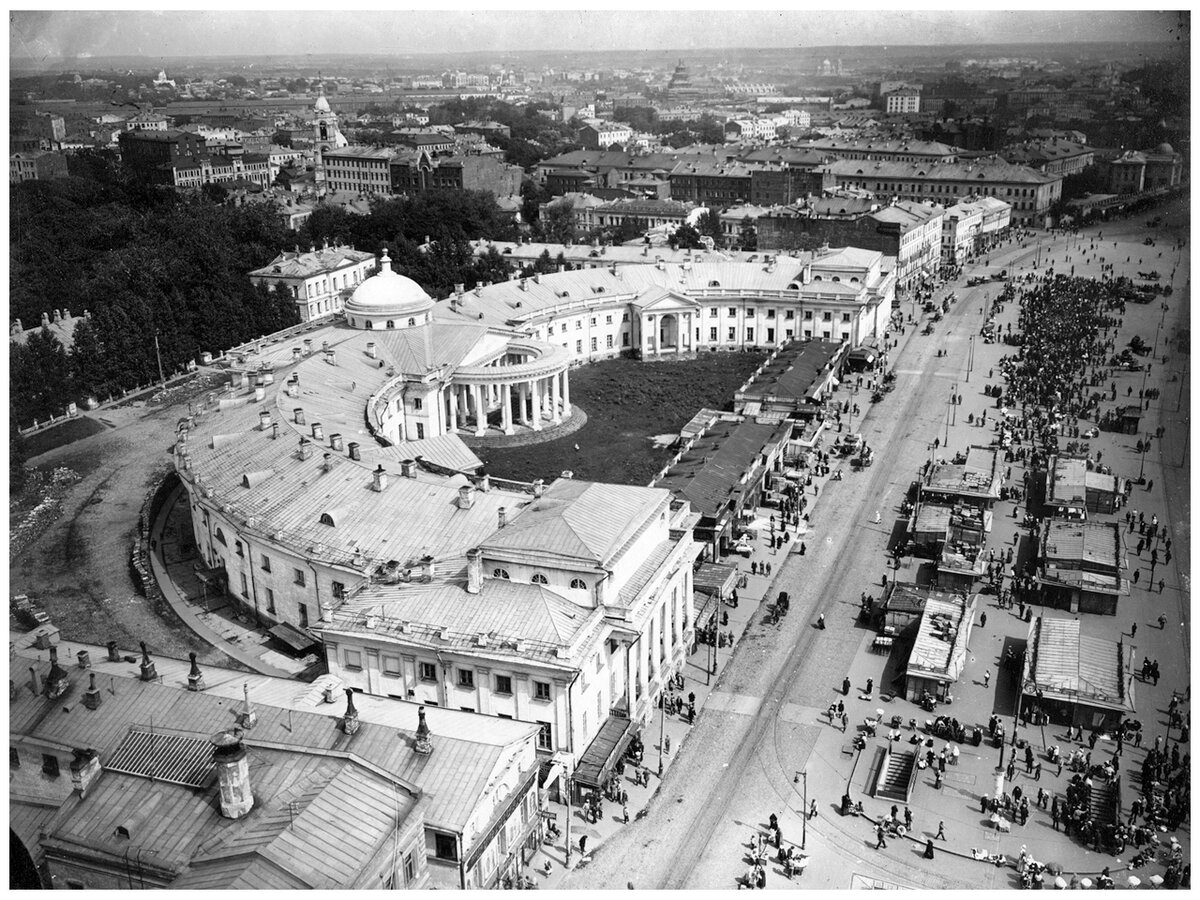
78, 568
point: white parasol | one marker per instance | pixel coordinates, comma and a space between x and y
1085, 883
1133, 881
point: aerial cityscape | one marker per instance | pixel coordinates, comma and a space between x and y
574, 450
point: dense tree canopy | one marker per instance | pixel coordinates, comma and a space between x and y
145, 261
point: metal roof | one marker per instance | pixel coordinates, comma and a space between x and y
163, 756
1064, 663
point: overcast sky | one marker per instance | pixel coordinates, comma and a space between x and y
157, 34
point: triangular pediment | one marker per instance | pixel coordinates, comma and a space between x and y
660, 300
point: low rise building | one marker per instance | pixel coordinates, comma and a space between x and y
224, 780
1082, 566
1135, 171
795, 383
363, 170
940, 647
36, 165
596, 134
904, 100
1059, 157
417, 172
972, 480
319, 280
1076, 679
1074, 488
972, 227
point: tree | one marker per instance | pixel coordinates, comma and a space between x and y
748, 235
685, 238
558, 225
282, 138
17, 454
533, 195
709, 223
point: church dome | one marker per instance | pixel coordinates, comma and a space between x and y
389, 295
1165, 148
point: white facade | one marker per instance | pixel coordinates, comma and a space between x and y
318, 278
903, 101
363, 170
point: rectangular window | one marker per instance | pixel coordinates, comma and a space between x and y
245, 586
593, 345
339, 590
427, 671
50, 765
466, 678
789, 314
579, 324
237, 546
391, 664
417, 403
579, 346
608, 342
770, 335
712, 334
353, 660
712, 311
503, 684
733, 310
541, 690
732, 334
770, 313
808, 314
420, 431
625, 339
827, 316
303, 615
410, 870
545, 737
750, 335
592, 322
549, 329
608, 320
270, 601
266, 563
625, 317
845, 317
298, 576
445, 846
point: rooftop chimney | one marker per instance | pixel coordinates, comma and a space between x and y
380, 479
85, 769
408, 468
354, 452
502, 514
371, 349
466, 498
539, 487
474, 571
85, 659
148, 671
91, 697
428, 568
298, 415
248, 718
34, 683
195, 676
274, 430
57, 681
335, 442
318, 432
327, 464
350, 719
422, 745
305, 448
233, 773
264, 420
114, 655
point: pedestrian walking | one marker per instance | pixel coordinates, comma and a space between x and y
987, 676
1054, 813
1133, 630
1162, 622
625, 814
937, 780
879, 835
941, 835
983, 620
908, 818
846, 687
1137, 573
583, 844
1037, 771
1161, 585
870, 685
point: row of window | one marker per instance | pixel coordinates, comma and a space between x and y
577, 584
427, 672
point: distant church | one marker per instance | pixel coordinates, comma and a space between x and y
326, 136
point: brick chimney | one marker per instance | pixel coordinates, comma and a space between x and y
91, 697
148, 671
57, 681
502, 517
466, 498
379, 479
353, 450
408, 468
248, 718
233, 773
350, 719
114, 655
85, 769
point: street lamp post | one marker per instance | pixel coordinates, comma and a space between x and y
804, 809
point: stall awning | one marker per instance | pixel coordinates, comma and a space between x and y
292, 636
715, 578
604, 751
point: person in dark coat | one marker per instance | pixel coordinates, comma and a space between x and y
929, 849
846, 687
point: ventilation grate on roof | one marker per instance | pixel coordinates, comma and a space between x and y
172, 758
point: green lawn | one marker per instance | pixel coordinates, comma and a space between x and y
60, 435
627, 403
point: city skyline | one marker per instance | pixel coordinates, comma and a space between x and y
50, 35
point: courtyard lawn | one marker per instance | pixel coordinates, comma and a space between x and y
628, 403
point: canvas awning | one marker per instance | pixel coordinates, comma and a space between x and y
604, 751
292, 636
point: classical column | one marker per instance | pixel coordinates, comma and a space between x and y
566, 391
452, 400
676, 620
643, 667
555, 415
523, 400
536, 389
506, 407
480, 410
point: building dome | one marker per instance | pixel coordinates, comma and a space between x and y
322, 105
390, 296
1165, 148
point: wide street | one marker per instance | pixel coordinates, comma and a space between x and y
764, 723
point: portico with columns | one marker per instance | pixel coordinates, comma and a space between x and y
666, 323
529, 384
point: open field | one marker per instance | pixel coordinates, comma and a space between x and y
627, 403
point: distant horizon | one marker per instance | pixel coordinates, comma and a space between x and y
56, 37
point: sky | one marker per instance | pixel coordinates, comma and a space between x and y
156, 34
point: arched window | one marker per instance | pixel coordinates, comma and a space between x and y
578, 584
794, 286
818, 278
836, 280
221, 537
370, 324
500, 573
412, 322
714, 283
539, 578
391, 324
854, 280
327, 519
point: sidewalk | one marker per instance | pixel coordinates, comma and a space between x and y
238, 641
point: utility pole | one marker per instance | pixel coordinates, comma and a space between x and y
804, 809
567, 782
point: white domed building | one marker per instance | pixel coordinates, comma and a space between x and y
388, 300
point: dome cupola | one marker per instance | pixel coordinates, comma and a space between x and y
388, 300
